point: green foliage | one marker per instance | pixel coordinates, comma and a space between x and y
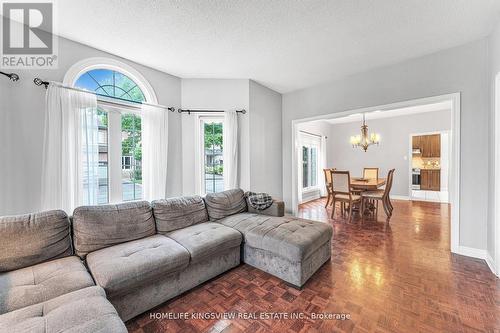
103, 117
215, 170
122, 87
137, 175
131, 142
213, 135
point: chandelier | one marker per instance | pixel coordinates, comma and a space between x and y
364, 140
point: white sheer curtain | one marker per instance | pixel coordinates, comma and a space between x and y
154, 152
322, 165
298, 152
230, 150
70, 149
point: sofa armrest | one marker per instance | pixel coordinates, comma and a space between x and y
276, 209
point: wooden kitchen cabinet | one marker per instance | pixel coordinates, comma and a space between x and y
430, 180
425, 146
430, 145
435, 145
416, 142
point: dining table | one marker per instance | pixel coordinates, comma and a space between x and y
367, 184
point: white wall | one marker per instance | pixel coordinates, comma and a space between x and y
393, 151
494, 70
461, 69
259, 130
265, 135
213, 94
22, 106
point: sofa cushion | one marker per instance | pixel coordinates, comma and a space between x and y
226, 203
83, 311
39, 283
244, 222
128, 265
288, 237
206, 239
30, 239
175, 213
97, 227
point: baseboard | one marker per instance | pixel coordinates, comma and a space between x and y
491, 264
471, 252
479, 254
400, 197
310, 196
429, 200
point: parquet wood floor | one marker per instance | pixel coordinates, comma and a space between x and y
397, 277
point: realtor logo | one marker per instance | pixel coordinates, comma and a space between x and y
28, 36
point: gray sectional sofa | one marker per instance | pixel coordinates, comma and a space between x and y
125, 259
43, 286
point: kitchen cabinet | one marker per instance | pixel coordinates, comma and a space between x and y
429, 145
434, 142
416, 142
430, 180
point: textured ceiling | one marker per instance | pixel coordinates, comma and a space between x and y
283, 44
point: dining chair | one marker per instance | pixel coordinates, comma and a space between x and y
381, 195
370, 173
328, 185
341, 191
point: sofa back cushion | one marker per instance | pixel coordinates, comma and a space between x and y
223, 204
176, 213
97, 227
30, 239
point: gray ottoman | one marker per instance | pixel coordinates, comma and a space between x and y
290, 248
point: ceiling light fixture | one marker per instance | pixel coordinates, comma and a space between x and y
364, 140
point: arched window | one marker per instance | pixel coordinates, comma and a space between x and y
119, 126
110, 83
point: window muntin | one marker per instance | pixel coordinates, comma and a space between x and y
110, 83
212, 158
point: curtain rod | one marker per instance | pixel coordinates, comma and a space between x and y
39, 82
319, 136
243, 111
12, 76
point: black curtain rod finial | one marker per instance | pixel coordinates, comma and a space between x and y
40, 82
12, 76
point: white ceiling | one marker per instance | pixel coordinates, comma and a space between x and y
283, 44
380, 114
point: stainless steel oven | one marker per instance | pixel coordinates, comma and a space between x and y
415, 179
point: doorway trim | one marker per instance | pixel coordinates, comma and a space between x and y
494, 263
454, 176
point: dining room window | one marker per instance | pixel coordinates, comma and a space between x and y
309, 167
310, 161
